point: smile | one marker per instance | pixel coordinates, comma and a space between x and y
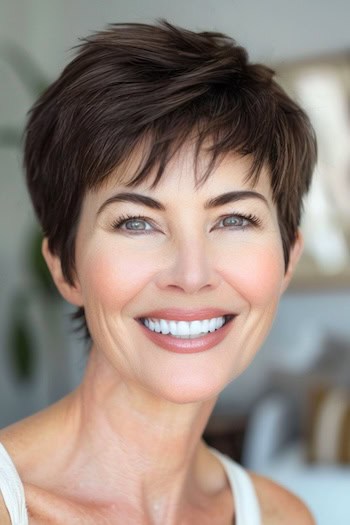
186, 329
200, 336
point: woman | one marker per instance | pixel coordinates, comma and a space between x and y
167, 173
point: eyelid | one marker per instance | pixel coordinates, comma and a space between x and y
252, 221
251, 218
122, 219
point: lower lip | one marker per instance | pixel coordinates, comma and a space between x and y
188, 346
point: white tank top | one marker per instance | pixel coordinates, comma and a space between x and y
12, 490
246, 502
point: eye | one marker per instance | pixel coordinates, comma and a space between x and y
132, 223
239, 221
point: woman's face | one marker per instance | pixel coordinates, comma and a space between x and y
185, 253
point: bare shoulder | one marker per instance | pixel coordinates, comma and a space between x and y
278, 505
29, 440
16, 438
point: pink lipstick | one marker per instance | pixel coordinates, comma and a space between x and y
186, 345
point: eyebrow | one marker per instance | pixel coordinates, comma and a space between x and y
215, 202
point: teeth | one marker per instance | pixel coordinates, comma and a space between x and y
164, 327
212, 325
184, 329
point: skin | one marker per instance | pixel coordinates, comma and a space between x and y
126, 445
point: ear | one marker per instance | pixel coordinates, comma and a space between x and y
294, 256
71, 293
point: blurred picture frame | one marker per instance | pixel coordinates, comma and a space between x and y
322, 87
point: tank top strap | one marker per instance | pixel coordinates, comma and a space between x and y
12, 489
247, 507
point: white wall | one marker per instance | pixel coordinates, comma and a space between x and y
272, 30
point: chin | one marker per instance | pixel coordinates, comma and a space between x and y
190, 390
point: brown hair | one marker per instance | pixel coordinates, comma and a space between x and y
165, 84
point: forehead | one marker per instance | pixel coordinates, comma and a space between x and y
188, 171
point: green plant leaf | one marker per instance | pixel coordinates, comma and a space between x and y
20, 346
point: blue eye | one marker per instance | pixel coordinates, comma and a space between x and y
132, 224
141, 224
240, 221
135, 224
235, 221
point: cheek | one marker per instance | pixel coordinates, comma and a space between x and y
112, 276
256, 272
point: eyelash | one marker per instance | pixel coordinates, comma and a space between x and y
253, 221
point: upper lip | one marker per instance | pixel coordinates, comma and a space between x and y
179, 314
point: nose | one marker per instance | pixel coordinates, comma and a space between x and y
189, 267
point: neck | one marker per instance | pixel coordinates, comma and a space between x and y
132, 443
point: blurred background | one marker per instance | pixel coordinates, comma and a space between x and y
288, 415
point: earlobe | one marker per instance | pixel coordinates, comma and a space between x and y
70, 292
294, 256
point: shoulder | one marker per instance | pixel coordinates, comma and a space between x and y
30, 440
278, 505
13, 438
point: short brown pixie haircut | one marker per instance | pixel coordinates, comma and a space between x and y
160, 86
